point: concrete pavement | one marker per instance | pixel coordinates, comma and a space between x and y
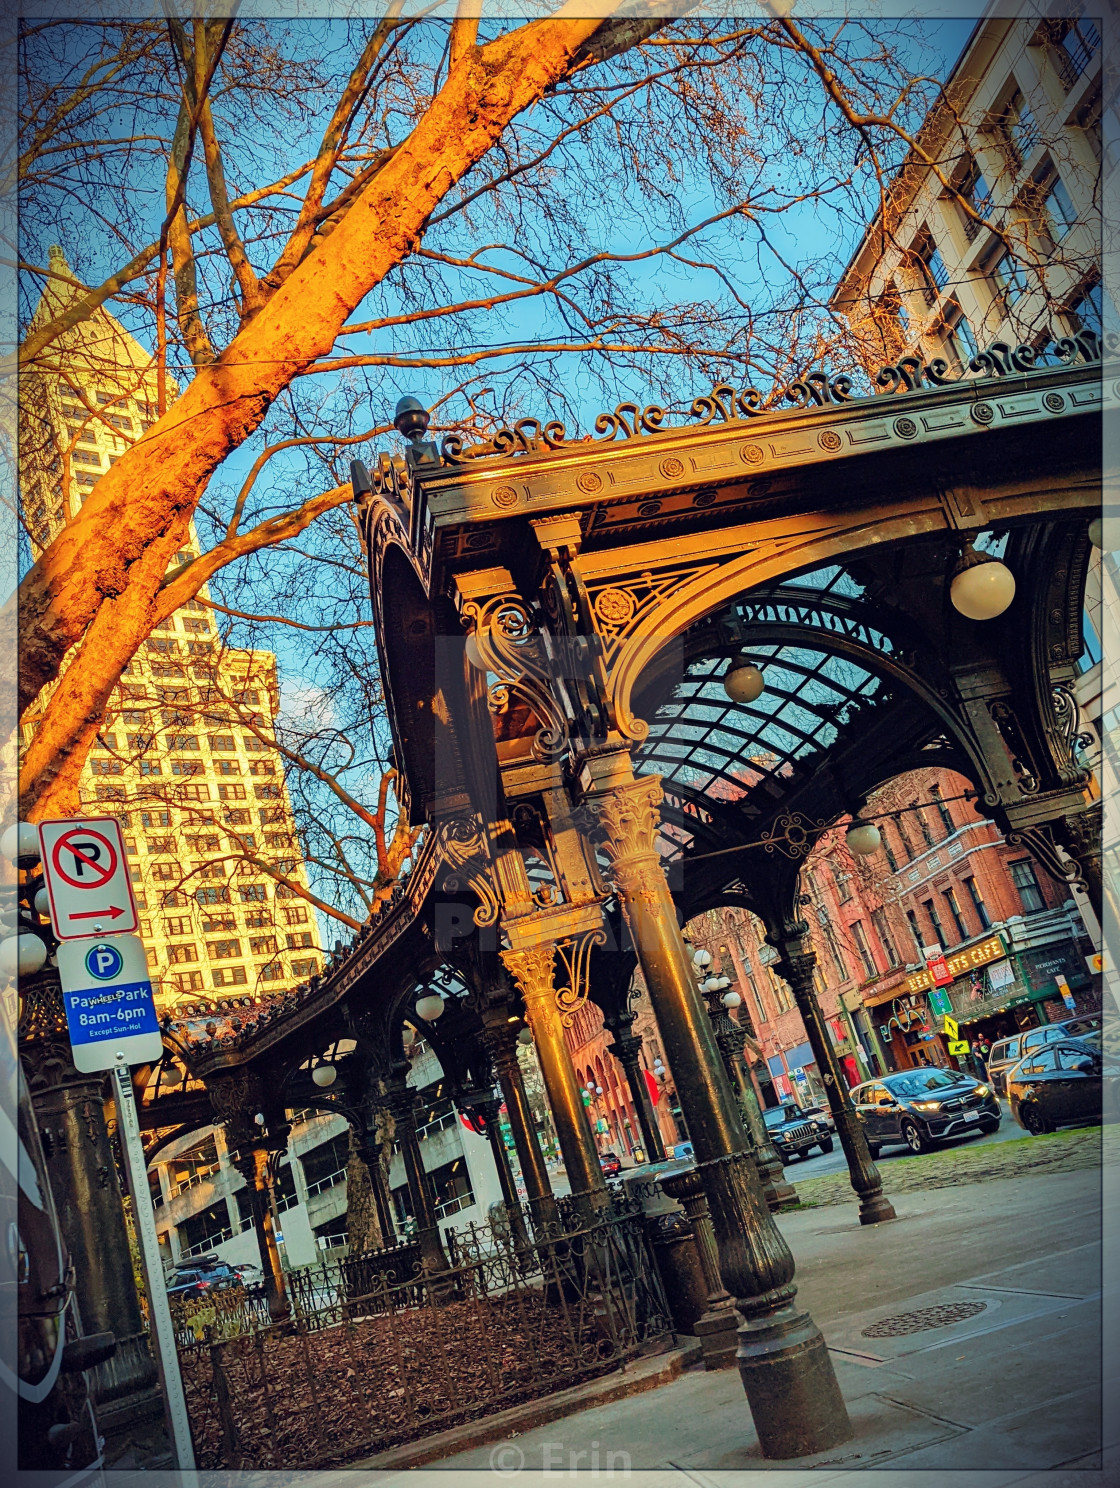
1012, 1386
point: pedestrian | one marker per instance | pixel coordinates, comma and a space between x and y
980, 1051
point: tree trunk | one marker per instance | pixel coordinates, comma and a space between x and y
97, 581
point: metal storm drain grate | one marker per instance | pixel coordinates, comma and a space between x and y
923, 1319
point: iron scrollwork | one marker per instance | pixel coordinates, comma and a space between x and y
508, 645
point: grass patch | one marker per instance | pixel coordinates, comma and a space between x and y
1063, 1151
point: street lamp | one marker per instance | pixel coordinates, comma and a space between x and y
981, 586
525, 1038
20, 843
1096, 532
863, 838
324, 1075
702, 959
743, 681
429, 1007
22, 955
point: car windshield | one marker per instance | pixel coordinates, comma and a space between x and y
780, 1115
923, 1082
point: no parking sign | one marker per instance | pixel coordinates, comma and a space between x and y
110, 1011
87, 878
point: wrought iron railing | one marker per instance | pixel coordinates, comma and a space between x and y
373, 1357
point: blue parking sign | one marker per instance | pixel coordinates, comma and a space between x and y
110, 1010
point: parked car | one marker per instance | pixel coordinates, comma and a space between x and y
611, 1164
1009, 1051
682, 1149
195, 1280
922, 1107
820, 1113
250, 1274
794, 1132
1059, 1085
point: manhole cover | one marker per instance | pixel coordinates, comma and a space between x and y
924, 1318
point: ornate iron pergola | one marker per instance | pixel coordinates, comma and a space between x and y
555, 616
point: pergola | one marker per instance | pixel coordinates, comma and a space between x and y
555, 617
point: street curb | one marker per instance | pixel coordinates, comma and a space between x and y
644, 1374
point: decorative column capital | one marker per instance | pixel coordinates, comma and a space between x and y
628, 815
531, 968
499, 1041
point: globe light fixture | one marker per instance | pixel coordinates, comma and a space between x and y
42, 903
408, 1036
863, 838
324, 1075
1096, 532
171, 1074
743, 682
474, 653
981, 587
525, 1038
20, 843
429, 1007
702, 959
731, 999
22, 955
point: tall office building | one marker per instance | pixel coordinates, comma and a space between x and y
186, 759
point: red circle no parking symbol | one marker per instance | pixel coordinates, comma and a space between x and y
93, 858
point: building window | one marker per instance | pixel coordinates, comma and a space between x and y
229, 976
1057, 205
296, 915
150, 767
228, 766
864, 949
178, 926
186, 767
253, 893
219, 949
927, 835
978, 902
951, 900
975, 190
1075, 50
299, 940
912, 921
231, 793
956, 332
263, 945
931, 913
892, 861
271, 973
212, 894
886, 940
1009, 280
942, 810
304, 968
222, 741
187, 981
930, 265
1025, 880
1086, 312
105, 766
1020, 132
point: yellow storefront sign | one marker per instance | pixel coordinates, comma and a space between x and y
961, 962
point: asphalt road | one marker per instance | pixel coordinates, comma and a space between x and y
818, 1163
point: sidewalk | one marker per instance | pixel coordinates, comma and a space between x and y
1012, 1385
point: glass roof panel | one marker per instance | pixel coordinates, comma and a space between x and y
701, 739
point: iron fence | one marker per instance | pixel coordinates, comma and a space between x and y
378, 1354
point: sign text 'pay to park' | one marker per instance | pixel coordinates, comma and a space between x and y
110, 1011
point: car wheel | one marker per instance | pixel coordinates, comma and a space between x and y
827, 1144
1033, 1119
914, 1138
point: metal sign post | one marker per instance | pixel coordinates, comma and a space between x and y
163, 1333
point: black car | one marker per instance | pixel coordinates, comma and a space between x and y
1009, 1051
794, 1133
197, 1280
1061, 1085
922, 1107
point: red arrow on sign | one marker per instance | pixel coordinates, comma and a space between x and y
112, 913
